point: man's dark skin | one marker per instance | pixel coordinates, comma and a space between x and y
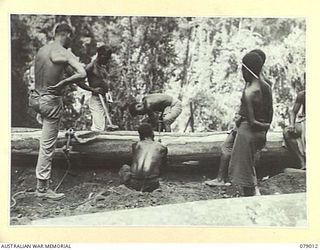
263, 57
299, 103
96, 89
222, 178
154, 103
294, 130
98, 80
253, 96
148, 158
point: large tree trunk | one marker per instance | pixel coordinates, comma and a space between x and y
115, 147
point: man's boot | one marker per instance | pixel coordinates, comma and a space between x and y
43, 191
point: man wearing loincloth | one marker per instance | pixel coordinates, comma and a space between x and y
255, 111
169, 108
295, 134
226, 147
148, 158
51, 62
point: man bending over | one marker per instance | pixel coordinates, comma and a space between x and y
169, 107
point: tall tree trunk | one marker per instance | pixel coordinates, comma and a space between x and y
186, 60
240, 25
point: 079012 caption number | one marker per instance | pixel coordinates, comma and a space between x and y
306, 246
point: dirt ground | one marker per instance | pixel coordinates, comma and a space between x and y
98, 190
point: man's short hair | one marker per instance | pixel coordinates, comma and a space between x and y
260, 53
132, 108
254, 62
104, 49
145, 131
63, 27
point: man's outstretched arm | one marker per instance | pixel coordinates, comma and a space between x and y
153, 119
84, 86
71, 60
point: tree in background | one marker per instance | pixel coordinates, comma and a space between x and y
196, 59
210, 56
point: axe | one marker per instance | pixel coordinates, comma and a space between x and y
106, 111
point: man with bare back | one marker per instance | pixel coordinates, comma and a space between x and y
51, 63
226, 148
148, 158
255, 112
169, 107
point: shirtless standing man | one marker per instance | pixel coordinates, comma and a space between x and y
148, 157
226, 148
97, 72
51, 62
255, 111
295, 134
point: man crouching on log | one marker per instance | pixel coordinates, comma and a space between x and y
169, 107
51, 62
148, 157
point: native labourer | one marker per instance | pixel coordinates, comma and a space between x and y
227, 146
169, 108
256, 114
97, 72
148, 158
295, 133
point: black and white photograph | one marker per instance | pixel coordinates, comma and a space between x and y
157, 121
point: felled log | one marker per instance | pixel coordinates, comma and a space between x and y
95, 148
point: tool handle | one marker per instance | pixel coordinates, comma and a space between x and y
68, 143
105, 109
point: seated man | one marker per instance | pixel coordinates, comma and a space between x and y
148, 159
169, 107
294, 134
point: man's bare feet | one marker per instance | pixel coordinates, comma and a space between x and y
112, 127
293, 170
215, 182
257, 191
